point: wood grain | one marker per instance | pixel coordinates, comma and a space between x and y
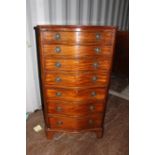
77, 51
68, 64
78, 37
75, 94
75, 109
78, 79
73, 65
75, 124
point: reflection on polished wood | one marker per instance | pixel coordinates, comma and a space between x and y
74, 69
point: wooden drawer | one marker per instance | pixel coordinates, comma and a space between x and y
81, 123
93, 37
75, 94
75, 108
77, 64
80, 79
77, 51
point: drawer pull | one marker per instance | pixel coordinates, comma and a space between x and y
58, 93
97, 50
93, 93
58, 109
92, 108
91, 122
57, 49
57, 36
94, 78
59, 123
95, 65
98, 36
58, 79
58, 64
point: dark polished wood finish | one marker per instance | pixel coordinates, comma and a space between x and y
77, 37
75, 124
76, 51
74, 65
89, 79
76, 94
77, 64
75, 109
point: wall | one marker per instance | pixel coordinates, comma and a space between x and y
66, 12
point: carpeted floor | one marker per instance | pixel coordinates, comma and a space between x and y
119, 86
114, 142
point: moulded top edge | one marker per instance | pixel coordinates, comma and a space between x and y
74, 27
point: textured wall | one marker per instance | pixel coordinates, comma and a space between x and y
67, 12
88, 12
82, 12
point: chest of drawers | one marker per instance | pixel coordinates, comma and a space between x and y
74, 69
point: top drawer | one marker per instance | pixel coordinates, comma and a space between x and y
105, 37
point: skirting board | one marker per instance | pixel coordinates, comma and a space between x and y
124, 94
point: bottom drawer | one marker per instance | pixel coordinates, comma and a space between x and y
74, 124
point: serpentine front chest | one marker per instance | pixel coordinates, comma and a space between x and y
74, 69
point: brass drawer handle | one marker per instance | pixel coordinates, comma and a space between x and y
91, 107
95, 65
93, 93
98, 36
57, 49
58, 93
94, 78
59, 123
97, 50
58, 79
91, 122
58, 109
57, 36
58, 64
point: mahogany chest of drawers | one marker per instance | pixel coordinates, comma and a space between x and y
74, 69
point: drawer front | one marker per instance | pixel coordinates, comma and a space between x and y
76, 64
50, 37
75, 109
75, 94
68, 123
64, 79
76, 51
